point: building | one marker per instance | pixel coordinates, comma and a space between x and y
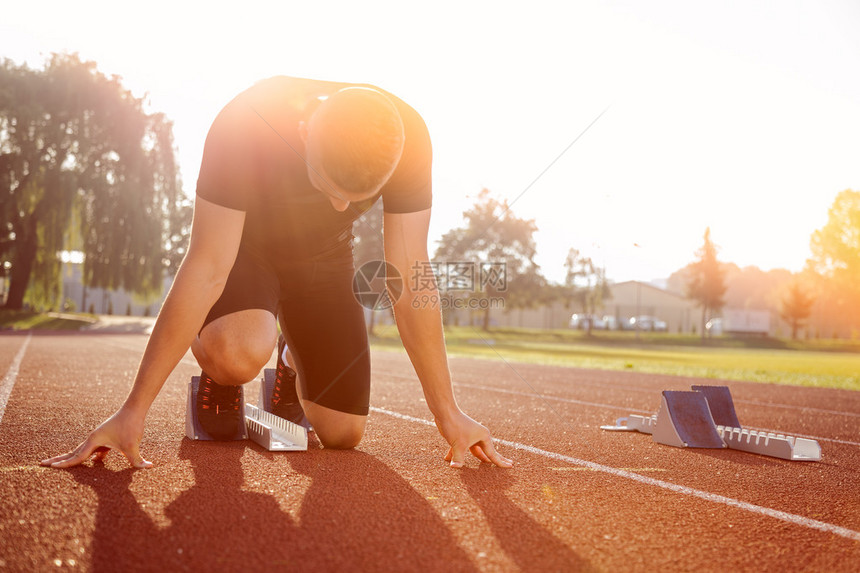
102, 301
626, 300
634, 298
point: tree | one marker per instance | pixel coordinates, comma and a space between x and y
796, 307
498, 248
835, 266
585, 283
706, 280
836, 256
836, 246
82, 166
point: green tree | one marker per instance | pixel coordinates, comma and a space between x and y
585, 283
493, 236
83, 166
706, 280
836, 246
796, 307
836, 262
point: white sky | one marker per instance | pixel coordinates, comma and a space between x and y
742, 116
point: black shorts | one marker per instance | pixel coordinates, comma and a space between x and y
321, 320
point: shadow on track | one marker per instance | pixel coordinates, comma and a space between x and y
214, 524
360, 515
124, 532
357, 514
526, 542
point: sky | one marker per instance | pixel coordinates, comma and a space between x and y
738, 116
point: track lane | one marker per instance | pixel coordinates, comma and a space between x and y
392, 504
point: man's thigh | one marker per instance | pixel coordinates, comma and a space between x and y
326, 333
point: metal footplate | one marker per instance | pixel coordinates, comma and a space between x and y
273, 432
633, 423
770, 444
705, 418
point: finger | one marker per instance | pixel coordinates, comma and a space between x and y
478, 452
62, 457
80, 455
59, 458
495, 457
449, 454
135, 459
458, 456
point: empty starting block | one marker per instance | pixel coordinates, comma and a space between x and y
705, 418
259, 424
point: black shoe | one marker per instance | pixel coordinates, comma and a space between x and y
285, 400
218, 408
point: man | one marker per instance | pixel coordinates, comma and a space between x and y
288, 165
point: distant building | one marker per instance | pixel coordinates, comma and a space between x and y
634, 298
627, 299
103, 301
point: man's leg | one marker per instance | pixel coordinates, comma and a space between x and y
337, 430
234, 348
231, 350
324, 328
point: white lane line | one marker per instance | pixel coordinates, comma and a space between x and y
735, 400
635, 411
554, 398
11, 375
802, 409
684, 490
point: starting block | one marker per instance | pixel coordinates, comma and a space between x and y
705, 418
193, 429
259, 424
267, 386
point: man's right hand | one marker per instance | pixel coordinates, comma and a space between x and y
464, 434
122, 431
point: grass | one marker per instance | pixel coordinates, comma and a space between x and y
25, 320
826, 364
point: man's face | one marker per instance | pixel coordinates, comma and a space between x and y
339, 197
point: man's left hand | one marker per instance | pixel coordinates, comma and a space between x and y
466, 435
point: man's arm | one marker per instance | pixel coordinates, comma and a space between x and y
420, 325
215, 235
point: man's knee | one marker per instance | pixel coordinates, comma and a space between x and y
341, 438
235, 364
235, 355
335, 430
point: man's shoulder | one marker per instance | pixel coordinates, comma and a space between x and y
293, 86
302, 89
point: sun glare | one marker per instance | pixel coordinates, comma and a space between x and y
751, 133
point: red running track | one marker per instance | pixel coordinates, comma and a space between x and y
578, 499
